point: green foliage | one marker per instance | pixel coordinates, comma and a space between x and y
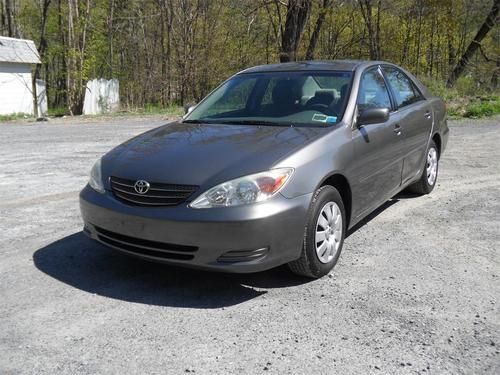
14, 116
466, 99
438, 88
482, 107
58, 111
468, 86
150, 109
166, 53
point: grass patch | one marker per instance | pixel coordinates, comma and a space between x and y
14, 116
172, 110
474, 107
148, 110
483, 107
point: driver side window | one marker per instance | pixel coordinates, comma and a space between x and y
373, 91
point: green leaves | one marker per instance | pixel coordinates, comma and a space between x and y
171, 52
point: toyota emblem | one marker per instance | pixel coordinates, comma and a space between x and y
141, 186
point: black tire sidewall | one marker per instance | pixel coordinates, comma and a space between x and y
324, 195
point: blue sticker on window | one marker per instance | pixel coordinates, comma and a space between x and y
324, 118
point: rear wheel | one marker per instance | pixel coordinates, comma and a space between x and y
428, 178
323, 236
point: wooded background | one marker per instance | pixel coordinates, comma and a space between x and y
167, 52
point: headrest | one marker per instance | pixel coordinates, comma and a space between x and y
284, 92
325, 95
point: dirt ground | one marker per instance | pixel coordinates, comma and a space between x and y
416, 290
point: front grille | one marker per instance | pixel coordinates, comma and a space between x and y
146, 247
158, 194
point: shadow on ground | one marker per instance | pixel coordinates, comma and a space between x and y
89, 266
401, 196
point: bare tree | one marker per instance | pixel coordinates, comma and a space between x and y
8, 18
317, 29
186, 17
372, 26
77, 43
110, 36
297, 14
42, 47
490, 21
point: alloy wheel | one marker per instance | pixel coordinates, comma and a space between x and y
328, 232
432, 164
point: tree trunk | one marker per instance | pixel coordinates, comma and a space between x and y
8, 16
297, 14
373, 29
61, 97
77, 42
317, 28
419, 35
494, 76
163, 99
488, 24
42, 47
430, 64
110, 37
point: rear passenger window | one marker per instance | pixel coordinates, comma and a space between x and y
373, 91
404, 89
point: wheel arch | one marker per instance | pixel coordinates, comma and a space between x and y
340, 182
437, 140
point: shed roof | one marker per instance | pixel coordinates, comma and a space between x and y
18, 51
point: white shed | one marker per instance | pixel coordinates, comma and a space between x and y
17, 56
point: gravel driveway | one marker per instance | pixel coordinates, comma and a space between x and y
416, 289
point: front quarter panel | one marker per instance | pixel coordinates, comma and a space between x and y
315, 162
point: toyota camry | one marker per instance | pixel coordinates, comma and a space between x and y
273, 167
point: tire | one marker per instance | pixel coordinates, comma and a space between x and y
311, 264
426, 184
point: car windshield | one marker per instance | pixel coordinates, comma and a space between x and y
277, 98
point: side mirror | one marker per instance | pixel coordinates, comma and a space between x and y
373, 116
188, 108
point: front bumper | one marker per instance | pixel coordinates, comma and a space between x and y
233, 239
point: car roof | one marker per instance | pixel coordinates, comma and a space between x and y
312, 65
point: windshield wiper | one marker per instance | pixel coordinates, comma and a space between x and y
253, 122
193, 121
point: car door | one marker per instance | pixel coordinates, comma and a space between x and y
378, 162
415, 118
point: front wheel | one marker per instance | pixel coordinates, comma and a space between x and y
323, 236
428, 178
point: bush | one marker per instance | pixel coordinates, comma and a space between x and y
58, 112
466, 98
483, 107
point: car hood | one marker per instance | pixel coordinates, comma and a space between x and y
201, 154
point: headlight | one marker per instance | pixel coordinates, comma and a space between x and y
95, 181
245, 190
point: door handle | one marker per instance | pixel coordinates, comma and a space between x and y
397, 129
428, 114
